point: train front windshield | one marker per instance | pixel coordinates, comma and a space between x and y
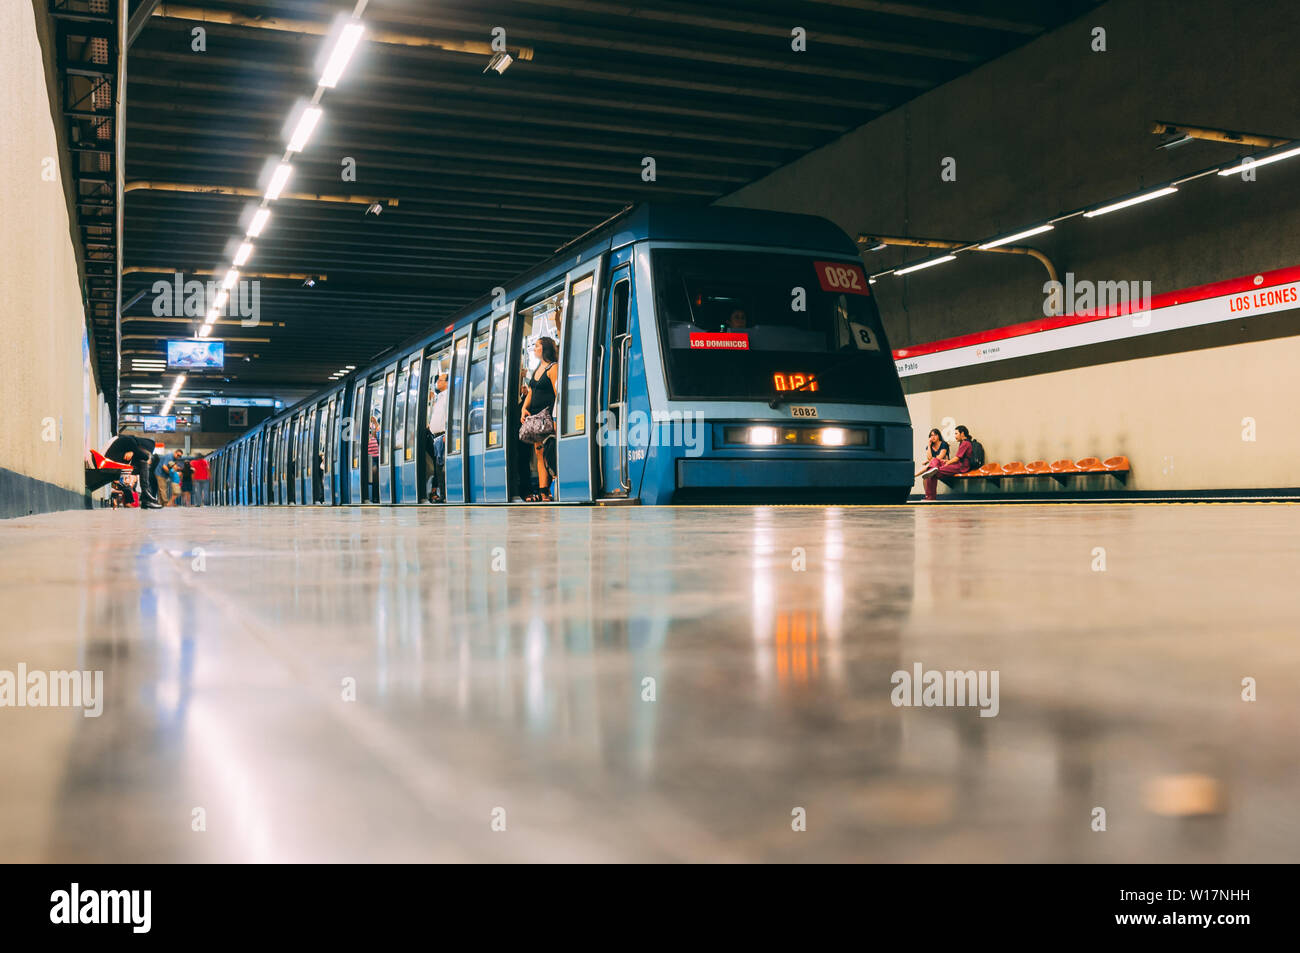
750, 325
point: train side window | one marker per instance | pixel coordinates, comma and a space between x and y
497, 386
478, 378
576, 333
358, 423
457, 395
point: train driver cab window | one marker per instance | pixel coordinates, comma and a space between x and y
478, 377
575, 361
732, 331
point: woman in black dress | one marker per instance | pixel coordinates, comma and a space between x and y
539, 399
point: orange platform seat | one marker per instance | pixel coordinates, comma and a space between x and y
1015, 468
1090, 465
1116, 464
102, 462
1064, 466
1038, 466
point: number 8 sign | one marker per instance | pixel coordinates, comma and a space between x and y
841, 277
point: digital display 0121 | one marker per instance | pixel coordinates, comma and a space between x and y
802, 382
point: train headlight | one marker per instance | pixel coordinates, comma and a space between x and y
763, 435
833, 437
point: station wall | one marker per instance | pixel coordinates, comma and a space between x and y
1056, 126
52, 406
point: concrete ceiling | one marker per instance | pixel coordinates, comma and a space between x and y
490, 172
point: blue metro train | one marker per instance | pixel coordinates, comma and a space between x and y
704, 354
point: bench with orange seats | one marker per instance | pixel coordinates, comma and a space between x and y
1059, 470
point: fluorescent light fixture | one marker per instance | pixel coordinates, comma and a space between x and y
346, 39
205, 330
260, 218
1135, 200
833, 437
500, 62
924, 264
1251, 162
219, 302
241, 256
762, 435
1016, 237
278, 179
351, 367
229, 281
305, 126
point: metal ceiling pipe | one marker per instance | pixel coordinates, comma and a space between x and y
151, 186
161, 270
174, 11
1215, 135
960, 246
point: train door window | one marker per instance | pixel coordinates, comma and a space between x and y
399, 410
322, 437
412, 407
478, 377
358, 435
575, 360
617, 379
497, 387
386, 423
439, 365
327, 426
457, 395
375, 422
537, 321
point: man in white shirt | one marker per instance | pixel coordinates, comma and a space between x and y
438, 435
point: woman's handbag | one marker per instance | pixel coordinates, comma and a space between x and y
537, 427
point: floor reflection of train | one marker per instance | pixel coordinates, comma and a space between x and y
715, 353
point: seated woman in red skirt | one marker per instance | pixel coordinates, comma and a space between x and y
960, 464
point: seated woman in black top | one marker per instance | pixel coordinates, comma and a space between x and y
539, 398
936, 452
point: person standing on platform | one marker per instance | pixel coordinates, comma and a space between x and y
199, 466
437, 436
372, 451
162, 474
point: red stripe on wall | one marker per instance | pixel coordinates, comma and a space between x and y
1217, 289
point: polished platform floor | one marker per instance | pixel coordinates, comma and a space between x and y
500, 658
